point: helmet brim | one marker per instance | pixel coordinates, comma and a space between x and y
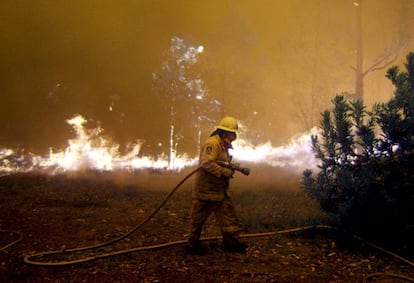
227, 129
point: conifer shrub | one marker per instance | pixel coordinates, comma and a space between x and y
364, 181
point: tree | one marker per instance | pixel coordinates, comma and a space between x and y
382, 61
182, 90
365, 179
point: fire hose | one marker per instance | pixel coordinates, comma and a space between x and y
11, 233
32, 259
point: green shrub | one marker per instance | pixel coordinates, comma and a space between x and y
366, 172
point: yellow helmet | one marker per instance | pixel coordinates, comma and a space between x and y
228, 124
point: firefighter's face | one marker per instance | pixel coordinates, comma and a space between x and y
229, 138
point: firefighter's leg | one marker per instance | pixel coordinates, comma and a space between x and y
200, 211
230, 228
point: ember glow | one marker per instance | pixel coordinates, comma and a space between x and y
90, 150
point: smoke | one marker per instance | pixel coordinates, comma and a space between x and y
270, 64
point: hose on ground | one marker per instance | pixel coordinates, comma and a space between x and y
28, 258
11, 233
387, 274
33, 259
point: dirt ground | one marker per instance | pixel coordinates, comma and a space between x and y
70, 211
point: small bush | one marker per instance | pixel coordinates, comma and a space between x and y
366, 175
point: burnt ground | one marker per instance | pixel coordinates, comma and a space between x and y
69, 211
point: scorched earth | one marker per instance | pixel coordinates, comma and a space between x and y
81, 209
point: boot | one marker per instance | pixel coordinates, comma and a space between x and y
232, 244
194, 247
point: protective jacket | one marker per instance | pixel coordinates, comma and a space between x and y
210, 184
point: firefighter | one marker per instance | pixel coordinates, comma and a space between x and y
211, 190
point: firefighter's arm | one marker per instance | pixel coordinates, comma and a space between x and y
208, 158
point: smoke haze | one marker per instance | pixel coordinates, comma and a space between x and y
262, 60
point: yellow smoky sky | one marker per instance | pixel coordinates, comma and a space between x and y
272, 64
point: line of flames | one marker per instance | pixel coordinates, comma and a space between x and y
90, 150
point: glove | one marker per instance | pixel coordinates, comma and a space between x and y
227, 172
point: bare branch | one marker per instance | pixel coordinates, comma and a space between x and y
386, 58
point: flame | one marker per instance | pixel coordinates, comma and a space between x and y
91, 150
296, 153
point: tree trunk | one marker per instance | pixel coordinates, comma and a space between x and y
359, 77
